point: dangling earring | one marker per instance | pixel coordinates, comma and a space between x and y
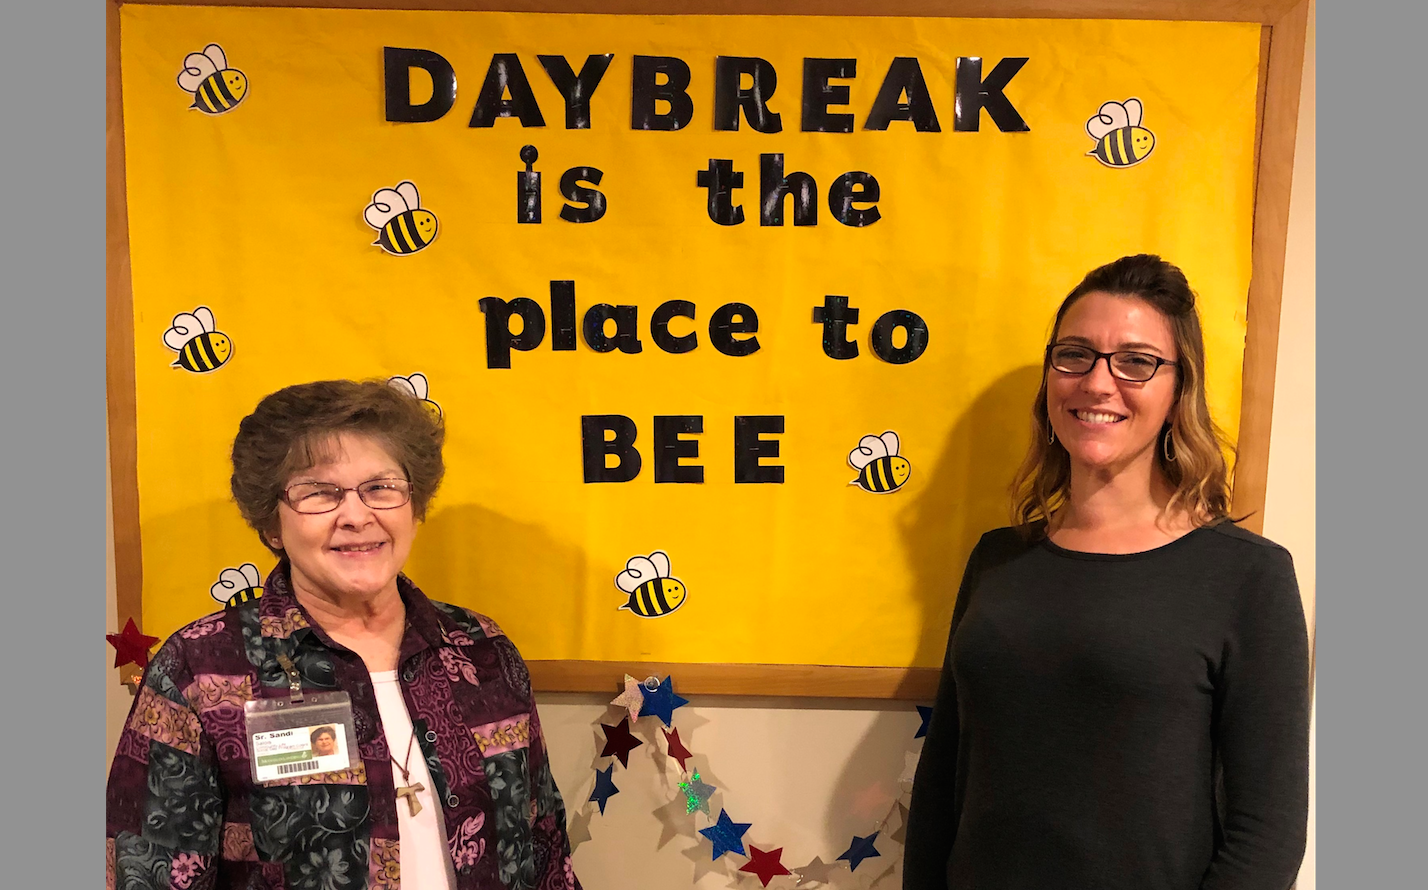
1169, 451
1051, 439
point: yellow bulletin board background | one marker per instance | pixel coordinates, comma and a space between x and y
257, 214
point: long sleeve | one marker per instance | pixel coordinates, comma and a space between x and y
164, 803
1262, 736
932, 817
549, 831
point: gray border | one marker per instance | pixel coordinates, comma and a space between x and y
52, 255
1373, 613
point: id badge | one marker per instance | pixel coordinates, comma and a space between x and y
288, 739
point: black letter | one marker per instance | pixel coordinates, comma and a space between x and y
594, 199
723, 327
721, 179
528, 187
882, 337
499, 340
659, 327
974, 94
576, 90
505, 74
594, 447
835, 315
645, 91
562, 315
903, 74
626, 339
774, 186
852, 188
397, 65
669, 448
818, 94
748, 448
729, 96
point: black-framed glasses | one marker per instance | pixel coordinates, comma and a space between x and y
1073, 358
324, 497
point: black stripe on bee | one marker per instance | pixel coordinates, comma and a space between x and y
244, 596
401, 235
877, 476
211, 103
221, 86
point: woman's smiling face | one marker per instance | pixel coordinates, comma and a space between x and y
1104, 422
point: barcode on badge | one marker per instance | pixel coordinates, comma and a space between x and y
287, 769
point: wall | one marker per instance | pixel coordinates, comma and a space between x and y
809, 774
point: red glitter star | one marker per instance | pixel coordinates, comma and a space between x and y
676, 748
130, 645
619, 741
766, 865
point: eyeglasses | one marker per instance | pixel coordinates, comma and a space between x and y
324, 497
1137, 367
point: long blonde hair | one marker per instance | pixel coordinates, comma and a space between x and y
1199, 472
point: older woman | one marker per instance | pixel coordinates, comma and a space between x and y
1124, 701
441, 777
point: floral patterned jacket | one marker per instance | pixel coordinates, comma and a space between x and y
183, 811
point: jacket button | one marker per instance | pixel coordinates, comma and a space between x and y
431, 735
452, 801
409, 674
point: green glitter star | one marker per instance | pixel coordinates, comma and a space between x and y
696, 794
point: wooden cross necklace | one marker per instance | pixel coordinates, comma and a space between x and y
409, 791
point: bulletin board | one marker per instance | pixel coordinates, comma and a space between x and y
734, 320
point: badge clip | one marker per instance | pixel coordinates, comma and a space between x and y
294, 679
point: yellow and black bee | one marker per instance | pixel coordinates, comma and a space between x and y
216, 88
1120, 139
653, 593
238, 586
416, 385
880, 469
200, 347
403, 228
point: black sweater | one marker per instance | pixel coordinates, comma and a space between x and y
1136, 721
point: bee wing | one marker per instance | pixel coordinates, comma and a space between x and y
890, 440
1134, 112
250, 574
215, 53
196, 66
230, 581
184, 329
205, 318
386, 203
419, 385
637, 571
408, 190
1111, 116
660, 559
403, 384
869, 449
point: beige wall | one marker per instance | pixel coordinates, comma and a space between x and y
809, 774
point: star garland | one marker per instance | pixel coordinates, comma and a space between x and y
657, 698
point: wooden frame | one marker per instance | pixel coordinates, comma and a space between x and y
1281, 64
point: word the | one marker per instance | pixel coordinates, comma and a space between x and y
855, 187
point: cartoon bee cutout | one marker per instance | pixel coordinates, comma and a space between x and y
653, 593
416, 385
238, 586
200, 347
403, 228
880, 469
1120, 139
216, 88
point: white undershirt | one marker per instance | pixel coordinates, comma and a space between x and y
422, 838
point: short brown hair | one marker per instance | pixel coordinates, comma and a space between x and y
1199, 473
295, 428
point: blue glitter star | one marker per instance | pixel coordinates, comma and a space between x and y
926, 714
861, 848
725, 833
604, 787
662, 702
